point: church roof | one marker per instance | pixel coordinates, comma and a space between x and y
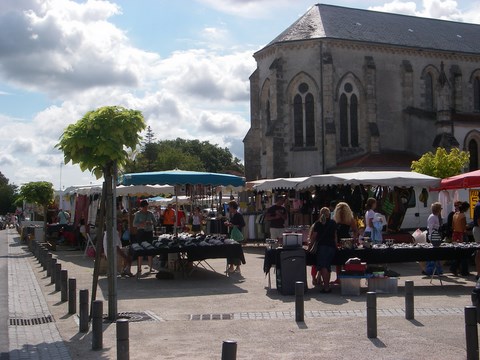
336, 22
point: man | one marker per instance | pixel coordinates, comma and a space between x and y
277, 215
476, 236
144, 221
63, 217
169, 219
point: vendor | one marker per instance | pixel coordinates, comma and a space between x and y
277, 215
169, 219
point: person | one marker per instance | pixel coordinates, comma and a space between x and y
82, 234
449, 227
346, 226
459, 226
143, 221
196, 220
277, 215
63, 217
370, 207
433, 224
169, 219
235, 220
181, 219
325, 235
476, 236
126, 259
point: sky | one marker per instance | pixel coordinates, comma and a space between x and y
184, 64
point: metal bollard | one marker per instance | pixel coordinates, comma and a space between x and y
371, 314
72, 296
229, 350
64, 285
53, 268
83, 326
123, 345
97, 319
409, 300
44, 258
49, 264
471, 332
299, 301
58, 271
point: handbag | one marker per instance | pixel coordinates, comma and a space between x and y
236, 234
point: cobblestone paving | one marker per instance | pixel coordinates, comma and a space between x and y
27, 302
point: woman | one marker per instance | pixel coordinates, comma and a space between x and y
143, 221
236, 220
325, 235
196, 220
433, 224
346, 226
370, 207
459, 226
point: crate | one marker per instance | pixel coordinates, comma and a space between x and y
350, 285
383, 285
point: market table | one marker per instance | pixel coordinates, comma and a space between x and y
193, 253
386, 255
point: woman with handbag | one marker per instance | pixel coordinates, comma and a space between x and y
324, 235
235, 225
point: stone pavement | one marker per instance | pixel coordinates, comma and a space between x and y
32, 331
190, 318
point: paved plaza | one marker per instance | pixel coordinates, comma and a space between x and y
189, 318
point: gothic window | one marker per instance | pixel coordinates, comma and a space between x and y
473, 150
428, 92
303, 117
348, 117
476, 94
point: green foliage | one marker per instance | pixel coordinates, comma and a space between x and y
37, 192
99, 138
7, 195
442, 164
192, 155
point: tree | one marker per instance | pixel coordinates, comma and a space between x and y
186, 155
7, 195
39, 193
98, 142
442, 164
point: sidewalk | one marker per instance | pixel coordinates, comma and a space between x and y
190, 318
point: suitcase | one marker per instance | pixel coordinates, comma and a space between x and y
290, 268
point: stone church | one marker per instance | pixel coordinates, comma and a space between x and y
345, 89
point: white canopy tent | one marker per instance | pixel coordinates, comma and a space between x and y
375, 178
279, 183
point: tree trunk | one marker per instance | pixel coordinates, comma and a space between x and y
111, 251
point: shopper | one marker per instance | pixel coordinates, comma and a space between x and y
235, 221
277, 216
143, 221
325, 235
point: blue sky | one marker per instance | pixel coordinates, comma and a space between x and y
185, 64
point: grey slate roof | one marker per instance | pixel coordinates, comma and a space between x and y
336, 22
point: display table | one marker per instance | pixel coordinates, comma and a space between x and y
386, 255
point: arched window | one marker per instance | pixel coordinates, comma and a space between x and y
348, 117
476, 94
429, 92
303, 117
473, 150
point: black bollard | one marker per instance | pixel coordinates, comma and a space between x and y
299, 301
471, 332
409, 300
64, 285
83, 310
97, 319
53, 268
123, 345
229, 350
58, 276
49, 264
371, 314
44, 258
72, 296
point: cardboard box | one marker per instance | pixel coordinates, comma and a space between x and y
350, 285
385, 285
